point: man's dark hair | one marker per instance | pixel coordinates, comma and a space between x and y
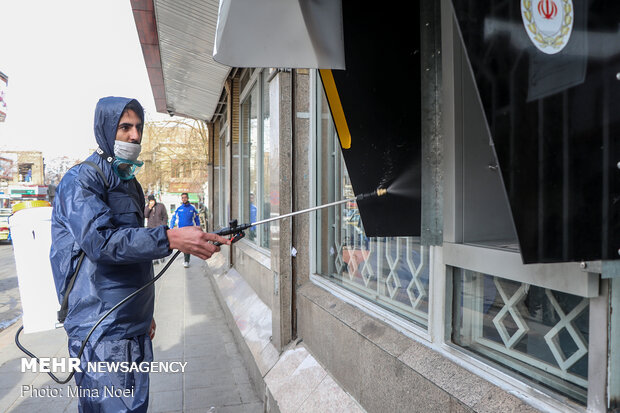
185, 193
138, 109
151, 198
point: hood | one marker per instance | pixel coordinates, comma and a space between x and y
107, 114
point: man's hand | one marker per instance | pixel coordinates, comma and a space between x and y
191, 240
152, 330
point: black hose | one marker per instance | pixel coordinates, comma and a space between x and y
92, 330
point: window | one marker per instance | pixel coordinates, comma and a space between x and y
265, 211
221, 176
391, 272
219, 173
531, 322
195, 170
175, 169
255, 202
25, 172
537, 333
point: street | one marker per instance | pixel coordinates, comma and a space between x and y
10, 305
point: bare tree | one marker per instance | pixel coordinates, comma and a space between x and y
55, 168
175, 153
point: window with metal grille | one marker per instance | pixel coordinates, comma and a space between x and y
392, 272
538, 333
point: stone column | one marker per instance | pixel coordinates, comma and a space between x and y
280, 174
302, 171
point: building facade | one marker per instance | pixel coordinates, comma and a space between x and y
447, 320
22, 167
22, 177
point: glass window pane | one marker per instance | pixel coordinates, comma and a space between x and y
391, 272
249, 161
266, 201
245, 159
222, 180
253, 146
533, 332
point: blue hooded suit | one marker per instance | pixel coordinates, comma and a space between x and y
107, 224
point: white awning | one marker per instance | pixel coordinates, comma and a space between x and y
178, 40
280, 33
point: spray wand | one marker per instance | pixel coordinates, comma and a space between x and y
237, 230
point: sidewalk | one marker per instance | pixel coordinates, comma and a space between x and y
191, 327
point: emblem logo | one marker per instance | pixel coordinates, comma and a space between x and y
548, 23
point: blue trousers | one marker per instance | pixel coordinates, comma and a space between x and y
99, 391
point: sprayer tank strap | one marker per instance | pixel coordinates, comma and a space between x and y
104, 155
62, 313
100, 172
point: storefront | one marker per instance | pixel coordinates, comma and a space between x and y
448, 318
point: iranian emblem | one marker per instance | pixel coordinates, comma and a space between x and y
548, 23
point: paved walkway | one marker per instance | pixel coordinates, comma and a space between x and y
191, 327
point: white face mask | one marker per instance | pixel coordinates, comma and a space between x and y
127, 150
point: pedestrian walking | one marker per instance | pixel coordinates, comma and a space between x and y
185, 216
156, 215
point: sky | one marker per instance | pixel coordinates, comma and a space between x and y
60, 58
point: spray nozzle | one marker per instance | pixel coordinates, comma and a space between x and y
374, 194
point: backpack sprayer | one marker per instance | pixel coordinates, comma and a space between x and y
33, 311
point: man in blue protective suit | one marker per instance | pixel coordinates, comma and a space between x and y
185, 216
105, 221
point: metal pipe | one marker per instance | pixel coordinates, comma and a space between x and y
377, 193
303, 211
237, 230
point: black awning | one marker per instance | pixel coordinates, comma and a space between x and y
375, 104
547, 73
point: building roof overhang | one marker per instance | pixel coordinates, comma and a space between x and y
177, 39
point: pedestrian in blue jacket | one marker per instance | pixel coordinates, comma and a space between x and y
185, 216
103, 215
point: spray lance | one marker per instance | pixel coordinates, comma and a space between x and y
236, 231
